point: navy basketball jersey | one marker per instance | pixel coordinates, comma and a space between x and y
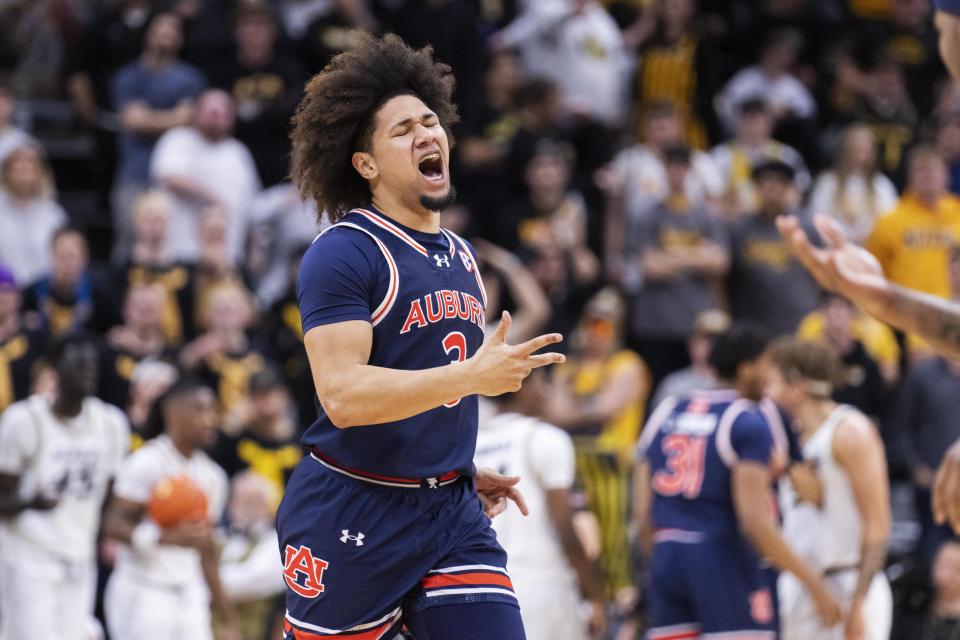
691, 445
424, 297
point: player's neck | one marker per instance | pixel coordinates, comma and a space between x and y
182, 447
417, 218
67, 406
813, 414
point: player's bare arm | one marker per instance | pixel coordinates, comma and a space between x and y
588, 573
11, 503
805, 483
751, 497
351, 391
642, 501
852, 272
858, 449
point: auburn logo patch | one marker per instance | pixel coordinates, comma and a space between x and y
302, 572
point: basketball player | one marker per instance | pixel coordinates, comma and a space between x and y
382, 525
547, 561
165, 579
845, 536
57, 458
703, 492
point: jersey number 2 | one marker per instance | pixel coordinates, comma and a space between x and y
455, 341
684, 467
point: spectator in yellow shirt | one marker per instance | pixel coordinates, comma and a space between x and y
913, 242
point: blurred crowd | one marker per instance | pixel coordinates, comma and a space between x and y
620, 165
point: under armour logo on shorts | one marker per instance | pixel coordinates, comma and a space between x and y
346, 537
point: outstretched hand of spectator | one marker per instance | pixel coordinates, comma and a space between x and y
495, 489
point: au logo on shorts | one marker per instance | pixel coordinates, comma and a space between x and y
761, 606
302, 572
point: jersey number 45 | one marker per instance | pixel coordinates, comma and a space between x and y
683, 469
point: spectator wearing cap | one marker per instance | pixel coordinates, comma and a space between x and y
854, 192
152, 95
260, 433
752, 145
767, 285
266, 84
913, 242
772, 80
681, 252
706, 326
22, 343
29, 214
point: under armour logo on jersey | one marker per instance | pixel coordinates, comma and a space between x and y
442, 261
346, 537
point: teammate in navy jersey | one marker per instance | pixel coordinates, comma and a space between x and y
382, 526
704, 505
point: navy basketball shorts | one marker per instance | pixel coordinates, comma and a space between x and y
709, 589
949, 6
360, 558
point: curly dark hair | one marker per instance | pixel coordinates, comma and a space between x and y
336, 117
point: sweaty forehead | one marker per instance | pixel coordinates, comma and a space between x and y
400, 108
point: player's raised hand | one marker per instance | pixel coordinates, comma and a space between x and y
499, 368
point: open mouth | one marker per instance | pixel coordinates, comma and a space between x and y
431, 167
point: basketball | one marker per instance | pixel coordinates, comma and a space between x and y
177, 499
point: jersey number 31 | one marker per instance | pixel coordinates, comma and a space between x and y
683, 472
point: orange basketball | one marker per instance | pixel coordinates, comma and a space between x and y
177, 499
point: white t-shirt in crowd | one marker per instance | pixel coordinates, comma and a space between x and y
642, 176
543, 456
25, 234
71, 459
855, 207
224, 167
141, 472
784, 93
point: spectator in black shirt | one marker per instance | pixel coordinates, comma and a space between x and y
264, 438
863, 384
266, 85
139, 337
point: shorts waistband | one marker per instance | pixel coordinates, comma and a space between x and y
838, 569
678, 535
387, 481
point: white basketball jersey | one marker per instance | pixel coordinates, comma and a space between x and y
139, 475
542, 455
69, 459
830, 536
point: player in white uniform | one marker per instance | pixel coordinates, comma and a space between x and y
844, 534
57, 458
546, 558
165, 579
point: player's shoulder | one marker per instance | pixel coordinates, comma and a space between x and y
109, 413
341, 240
19, 411
211, 468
